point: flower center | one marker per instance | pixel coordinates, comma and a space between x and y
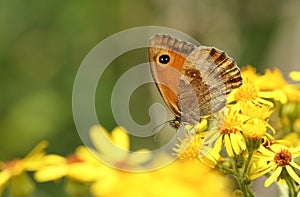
283, 158
229, 130
73, 159
247, 92
11, 164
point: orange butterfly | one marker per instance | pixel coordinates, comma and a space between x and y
193, 81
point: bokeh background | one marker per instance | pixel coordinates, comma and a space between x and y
43, 42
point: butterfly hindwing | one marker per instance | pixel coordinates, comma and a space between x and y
208, 75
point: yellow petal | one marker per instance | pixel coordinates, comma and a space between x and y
263, 158
295, 165
241, 141
295, 152
295, 75
4, 178
261, 171
38, 149
76, 169
234, 143
52, 159
292, 173
273, 177
100, 139
120, 138
106, 187
210, 158
51, 173
271, 128
228, 146
110, 152
87, 154
218, 144
263, 101
139, 156
201, 126
278, 95
216, 148
278, 148
266, 152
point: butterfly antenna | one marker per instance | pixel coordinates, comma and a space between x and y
157, 127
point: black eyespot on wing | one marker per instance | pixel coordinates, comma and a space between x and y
164, 59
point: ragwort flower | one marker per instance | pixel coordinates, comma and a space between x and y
275, 158
177, 179
117, 182
260, 88
14, 171
113, 149
74, 167
194, 148
295, 75
231, 132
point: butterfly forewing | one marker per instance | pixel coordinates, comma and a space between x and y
167, 76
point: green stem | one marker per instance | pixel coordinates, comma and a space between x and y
242, 178
224, 170
244, 186
292, 187
247, 164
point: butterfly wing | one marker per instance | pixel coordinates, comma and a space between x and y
167, 76
196, 80
208, 76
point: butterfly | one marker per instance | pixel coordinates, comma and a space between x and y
193, 81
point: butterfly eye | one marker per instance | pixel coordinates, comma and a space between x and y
164, 59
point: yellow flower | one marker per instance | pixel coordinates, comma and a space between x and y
293, 90
254, 110
228, 131
154, 183
189, 147
271, 85
291, 139
295, 75
231, 134
271, 80
249, 72
113, 149
80, 169
250, 92
74, 167
257, 88
247, 92
197, 145
177, 179
254, 128
13, 172
275, 158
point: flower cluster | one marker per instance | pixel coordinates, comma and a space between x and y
84, 173
256, 134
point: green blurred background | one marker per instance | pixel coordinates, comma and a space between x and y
43, 42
